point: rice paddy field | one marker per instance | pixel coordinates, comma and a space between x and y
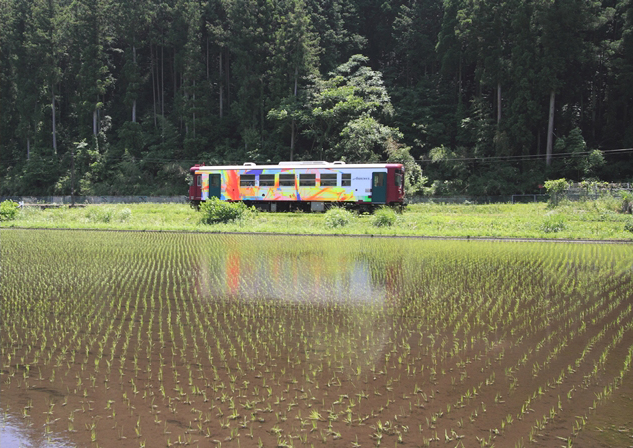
165, 339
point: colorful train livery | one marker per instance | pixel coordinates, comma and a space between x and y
309, 186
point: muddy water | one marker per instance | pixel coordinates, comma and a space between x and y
114, 339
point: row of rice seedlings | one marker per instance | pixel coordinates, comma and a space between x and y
278, 360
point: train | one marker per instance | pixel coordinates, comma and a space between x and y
308, 186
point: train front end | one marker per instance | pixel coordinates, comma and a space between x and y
195, 186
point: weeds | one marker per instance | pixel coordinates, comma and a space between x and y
338, 217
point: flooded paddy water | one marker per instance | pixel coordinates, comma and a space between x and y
162, 339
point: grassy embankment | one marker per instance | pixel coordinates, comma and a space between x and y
598, 220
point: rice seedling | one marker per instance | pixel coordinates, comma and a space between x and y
307, 340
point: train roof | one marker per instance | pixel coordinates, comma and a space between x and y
296, 165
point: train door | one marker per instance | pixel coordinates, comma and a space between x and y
215, 183
379, 188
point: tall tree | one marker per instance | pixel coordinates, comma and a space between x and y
344, 113
295, 59
561, 25
47, 38
415, 31
10, 117
252, 45
337, 24
93, 35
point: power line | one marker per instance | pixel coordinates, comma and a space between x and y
149, 159
559, 155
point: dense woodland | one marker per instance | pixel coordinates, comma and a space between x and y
487, 96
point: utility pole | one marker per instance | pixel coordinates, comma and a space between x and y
72, 177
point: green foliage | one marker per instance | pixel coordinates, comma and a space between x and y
584, 220
384, 217
124, 214
215, 211
627, 202
556, 189
338, 217
364, 139
628, 225
8, 210
106, 214
553, 223
414, 180
167, 83
100, 214
344, 113
582, 163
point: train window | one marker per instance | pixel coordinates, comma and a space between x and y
346, 179
266, 180
379, 179
328, 180
307, 180
199, 180
286, 180
398, 178
214, 180
247, 180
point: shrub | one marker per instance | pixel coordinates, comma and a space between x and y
216, 211
556, 190
107, 214
384, 217
124, 214
8, 210
628, 225
338, 217
553, 224
627, 202
100, 213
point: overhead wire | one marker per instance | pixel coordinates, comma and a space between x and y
508, 158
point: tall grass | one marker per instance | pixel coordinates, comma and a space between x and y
601, 220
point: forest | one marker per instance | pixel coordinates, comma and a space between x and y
477, 97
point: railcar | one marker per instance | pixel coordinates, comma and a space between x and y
308, 186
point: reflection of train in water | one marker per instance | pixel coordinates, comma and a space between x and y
309, 186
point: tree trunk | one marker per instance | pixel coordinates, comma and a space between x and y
261, 111
221, 85
94, 119
28, 148
184, 106
459, 82
594, 105
292, 127
498, 103
162, 80
134, 100
152, 65
227, 79
550, 129
72, 177
292, 140
54, 118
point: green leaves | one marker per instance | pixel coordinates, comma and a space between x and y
8, 210
556, 189
344, 112
215, 211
